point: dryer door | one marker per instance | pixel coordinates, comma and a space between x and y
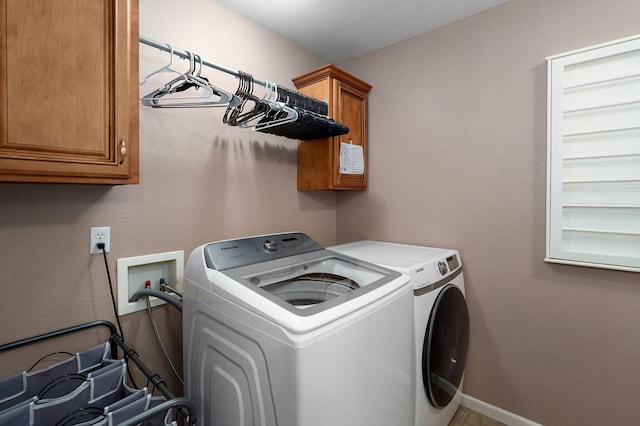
446, 342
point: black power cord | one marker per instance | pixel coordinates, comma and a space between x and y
113, 298
115, 310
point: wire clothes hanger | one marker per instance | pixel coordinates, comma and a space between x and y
280, 111
311, 122
186, 90
266, 112
165, 68
278, 114
243, 93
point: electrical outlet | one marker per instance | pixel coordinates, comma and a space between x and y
100, 234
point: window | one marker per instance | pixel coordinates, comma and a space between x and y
593, 156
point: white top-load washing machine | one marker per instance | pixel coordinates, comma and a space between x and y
280, 331
441, 321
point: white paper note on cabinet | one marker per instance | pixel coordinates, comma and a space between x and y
351, 159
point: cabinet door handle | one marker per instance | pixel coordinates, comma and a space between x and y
123, 151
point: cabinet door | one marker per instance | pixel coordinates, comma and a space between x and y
349, 108
68, 104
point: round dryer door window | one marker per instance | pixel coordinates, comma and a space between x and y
446, 342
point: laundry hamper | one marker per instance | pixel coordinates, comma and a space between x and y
88, 388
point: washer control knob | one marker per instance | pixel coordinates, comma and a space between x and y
442, 267
270, 245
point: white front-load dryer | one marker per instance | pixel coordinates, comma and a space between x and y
441, 322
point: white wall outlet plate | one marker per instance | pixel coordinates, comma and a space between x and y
100, 234
134, 272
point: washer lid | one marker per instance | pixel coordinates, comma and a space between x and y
312, 282
309, 289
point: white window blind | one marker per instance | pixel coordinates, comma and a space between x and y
593, 156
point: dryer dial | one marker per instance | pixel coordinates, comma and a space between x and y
442, 267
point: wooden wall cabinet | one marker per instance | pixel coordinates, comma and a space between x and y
69, 91
319, 159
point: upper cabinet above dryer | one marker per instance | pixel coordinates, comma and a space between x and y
320, 163
69, 95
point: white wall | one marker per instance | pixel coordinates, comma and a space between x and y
458, 159
200, 181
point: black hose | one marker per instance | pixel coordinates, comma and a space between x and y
159, 294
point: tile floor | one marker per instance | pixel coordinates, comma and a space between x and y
467, 417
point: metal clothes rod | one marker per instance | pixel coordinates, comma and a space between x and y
185, 55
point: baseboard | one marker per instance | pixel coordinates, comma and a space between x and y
496, 413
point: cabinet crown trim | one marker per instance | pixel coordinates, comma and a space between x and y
333, 72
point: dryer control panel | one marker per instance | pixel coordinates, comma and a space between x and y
437, 269
449, 264
437, 273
